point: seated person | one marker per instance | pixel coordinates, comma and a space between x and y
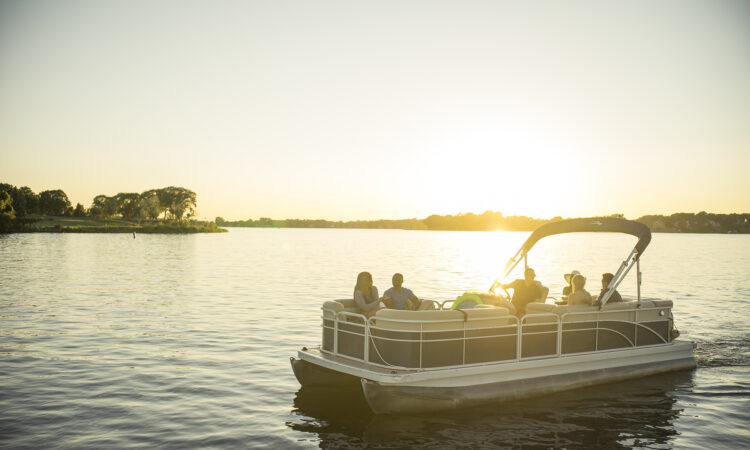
569, 288
399, 297
366, 295
580, 296
526, 291
615, 297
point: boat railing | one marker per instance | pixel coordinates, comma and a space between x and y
408, 344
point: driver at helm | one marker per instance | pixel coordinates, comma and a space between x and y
526, 291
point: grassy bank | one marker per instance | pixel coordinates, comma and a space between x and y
53, 224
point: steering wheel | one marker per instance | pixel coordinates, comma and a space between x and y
507, 294
495, 285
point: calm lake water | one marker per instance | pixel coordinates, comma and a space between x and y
184, 341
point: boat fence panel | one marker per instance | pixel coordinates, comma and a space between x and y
539, 335
443, 338
457, 338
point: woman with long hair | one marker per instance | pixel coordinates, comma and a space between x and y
366, 295
580, 296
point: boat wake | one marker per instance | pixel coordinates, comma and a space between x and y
728, 351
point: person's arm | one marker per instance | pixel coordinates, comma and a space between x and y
359, 299
413, 300
387, 299
545, 291
377, 298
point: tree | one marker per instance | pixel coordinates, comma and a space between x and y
54, 202
17, 198
97, 208
30, 199
7, 214
128, 204
163, 200
149, 206
179, 201
79, 211
103, 206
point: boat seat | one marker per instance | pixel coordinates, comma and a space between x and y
428, 305
332, 307
662, 303
559, 310
541, 308
337, 306
611, 311
442, 320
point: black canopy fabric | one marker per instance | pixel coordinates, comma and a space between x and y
605, 224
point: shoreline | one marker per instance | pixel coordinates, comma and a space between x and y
53, 224
471, 231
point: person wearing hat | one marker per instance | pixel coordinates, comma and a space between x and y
616, 297
579, 296
526, 291
567, 290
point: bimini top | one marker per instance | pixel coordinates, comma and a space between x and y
604, 224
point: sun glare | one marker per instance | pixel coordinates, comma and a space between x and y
517, 169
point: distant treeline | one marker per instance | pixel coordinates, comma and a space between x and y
18, 203
702, 222
462, 222
494, 220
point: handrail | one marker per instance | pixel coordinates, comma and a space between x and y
371, 324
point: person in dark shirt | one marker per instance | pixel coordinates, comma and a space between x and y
606, 279
526, 291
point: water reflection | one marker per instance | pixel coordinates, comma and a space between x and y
636, 413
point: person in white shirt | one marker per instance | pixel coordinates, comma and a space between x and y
366, 295
580, 296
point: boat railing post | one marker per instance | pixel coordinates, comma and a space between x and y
519, 338
622, 271
367, 340
559, 336
336, 334
463, 351
635, 328
421, 339
671, 326
596, 340
638, 278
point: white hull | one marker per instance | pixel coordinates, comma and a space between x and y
394, 391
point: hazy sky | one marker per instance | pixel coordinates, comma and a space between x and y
382, 109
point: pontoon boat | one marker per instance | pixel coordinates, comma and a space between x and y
445, 358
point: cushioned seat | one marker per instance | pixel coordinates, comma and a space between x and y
541, 308
428, 305
394, 319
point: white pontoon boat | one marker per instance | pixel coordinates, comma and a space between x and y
428, 360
